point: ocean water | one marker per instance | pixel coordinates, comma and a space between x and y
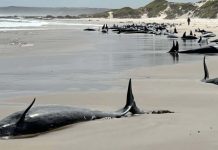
96, 67
31, 24
14, 23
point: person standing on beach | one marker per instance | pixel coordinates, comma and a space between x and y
188, 20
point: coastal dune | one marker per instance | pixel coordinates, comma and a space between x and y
177, 88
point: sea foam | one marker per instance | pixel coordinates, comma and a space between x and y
14, 23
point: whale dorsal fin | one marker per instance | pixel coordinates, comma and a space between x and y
177, 47
173, 48
199, 41
184, 35
25, 112
131, 102
129, 97
206, 73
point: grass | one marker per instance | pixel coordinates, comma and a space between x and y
179, 9
125, 12
208, 10
154, 8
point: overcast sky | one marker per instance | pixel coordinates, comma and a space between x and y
81, 3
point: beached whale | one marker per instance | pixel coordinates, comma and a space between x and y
189, 37
89, 29
214, 41
208, 35
36, 120
201, 50
203, 40
172, 36
206, 75
175, 47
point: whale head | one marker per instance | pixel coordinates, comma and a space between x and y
8, 126
14, 125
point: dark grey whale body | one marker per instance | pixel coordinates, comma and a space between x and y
203, 50
206, 75
41, 119
189, 37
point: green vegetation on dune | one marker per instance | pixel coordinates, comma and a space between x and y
208, 10
179, 9
154, 8
171, 9
99, 15
125, 12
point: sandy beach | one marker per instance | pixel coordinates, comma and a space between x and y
178, 88
181, 23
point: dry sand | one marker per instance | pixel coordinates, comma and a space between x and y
194, 125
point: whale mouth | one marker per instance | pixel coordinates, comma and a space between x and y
19, 136
5, 138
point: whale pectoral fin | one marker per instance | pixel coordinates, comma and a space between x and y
25, 112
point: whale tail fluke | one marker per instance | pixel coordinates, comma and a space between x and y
130, 102
206, 73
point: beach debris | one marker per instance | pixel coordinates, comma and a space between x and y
19, 43
160, 112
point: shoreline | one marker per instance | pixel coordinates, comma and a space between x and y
138, 73
31, 49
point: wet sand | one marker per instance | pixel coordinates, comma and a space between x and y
177, 88
174, 87
60, 58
